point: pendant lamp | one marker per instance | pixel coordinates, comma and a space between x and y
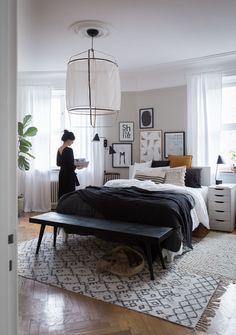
92, 83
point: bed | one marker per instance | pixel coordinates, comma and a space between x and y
147, 199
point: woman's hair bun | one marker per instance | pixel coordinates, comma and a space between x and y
68, 135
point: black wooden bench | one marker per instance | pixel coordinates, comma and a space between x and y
112, 229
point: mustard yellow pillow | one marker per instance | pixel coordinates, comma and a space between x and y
176, 160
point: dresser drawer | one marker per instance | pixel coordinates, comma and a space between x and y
219, 205
222, 225
218, 196
224, 191
219, 215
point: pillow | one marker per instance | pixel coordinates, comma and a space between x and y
176, 160
133, 168
157, 176
176, 176
160, 163
193, 177
142, 165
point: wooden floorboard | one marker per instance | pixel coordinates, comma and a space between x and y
47, 310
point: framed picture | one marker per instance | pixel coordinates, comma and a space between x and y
126, 131
174, 143
146, 118
150, 145
123, 155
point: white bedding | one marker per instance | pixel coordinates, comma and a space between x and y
199, 213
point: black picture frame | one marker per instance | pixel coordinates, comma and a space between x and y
174, 143
126, 131
123, 156
146, 118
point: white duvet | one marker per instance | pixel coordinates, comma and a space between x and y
199, 213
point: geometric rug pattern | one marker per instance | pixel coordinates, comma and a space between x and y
174, 295
214, 255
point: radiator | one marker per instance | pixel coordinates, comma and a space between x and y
54, 193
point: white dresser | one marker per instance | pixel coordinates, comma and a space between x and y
222, 206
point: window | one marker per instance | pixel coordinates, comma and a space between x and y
59, 122
228, 128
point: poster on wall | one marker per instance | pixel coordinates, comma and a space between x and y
146, 118
126, 131
174, 143
150, 145
123, 155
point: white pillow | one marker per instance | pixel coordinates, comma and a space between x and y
155, 175
176, 176
140, 166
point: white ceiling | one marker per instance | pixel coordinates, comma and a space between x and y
144, 34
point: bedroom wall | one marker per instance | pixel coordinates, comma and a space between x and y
170, 114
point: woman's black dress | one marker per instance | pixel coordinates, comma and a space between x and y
67, 177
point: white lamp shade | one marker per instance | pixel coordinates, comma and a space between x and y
92, 84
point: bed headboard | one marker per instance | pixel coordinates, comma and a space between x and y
205, 174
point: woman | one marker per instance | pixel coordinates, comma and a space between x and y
65, 159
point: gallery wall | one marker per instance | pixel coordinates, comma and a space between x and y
170, 114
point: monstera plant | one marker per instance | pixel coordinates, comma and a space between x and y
25, 131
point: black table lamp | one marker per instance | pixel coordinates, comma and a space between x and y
219, 161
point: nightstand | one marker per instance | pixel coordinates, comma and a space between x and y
222, 207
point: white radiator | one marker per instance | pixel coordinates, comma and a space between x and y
54, 193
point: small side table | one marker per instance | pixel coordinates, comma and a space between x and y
110, 176
222, 207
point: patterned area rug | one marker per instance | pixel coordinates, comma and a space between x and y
174, 295
213, 255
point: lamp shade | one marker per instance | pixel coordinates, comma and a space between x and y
219, 160
92, 85
96, 138
111, 150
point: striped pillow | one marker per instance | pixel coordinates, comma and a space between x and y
157, 177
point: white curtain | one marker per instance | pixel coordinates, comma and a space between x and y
204, 93
35, 183
84, 147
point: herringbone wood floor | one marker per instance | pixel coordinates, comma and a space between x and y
45, 310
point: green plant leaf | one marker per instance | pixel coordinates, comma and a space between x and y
24, 145
20, 128
31, 131
27, 119
24, 142
23, 163
24, 149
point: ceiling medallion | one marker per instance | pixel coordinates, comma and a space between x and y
82, 27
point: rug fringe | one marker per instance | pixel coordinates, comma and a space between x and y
214, 303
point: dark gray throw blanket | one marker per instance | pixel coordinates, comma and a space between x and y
132, 204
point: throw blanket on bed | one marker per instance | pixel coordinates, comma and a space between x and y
132, 204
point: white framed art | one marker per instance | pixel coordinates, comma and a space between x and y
126, 131
123, 155
150, 145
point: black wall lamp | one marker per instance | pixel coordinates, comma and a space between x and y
105, 143
218, 162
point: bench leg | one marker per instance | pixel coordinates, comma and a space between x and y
149, 259
54, 236
161, 256
40, 237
